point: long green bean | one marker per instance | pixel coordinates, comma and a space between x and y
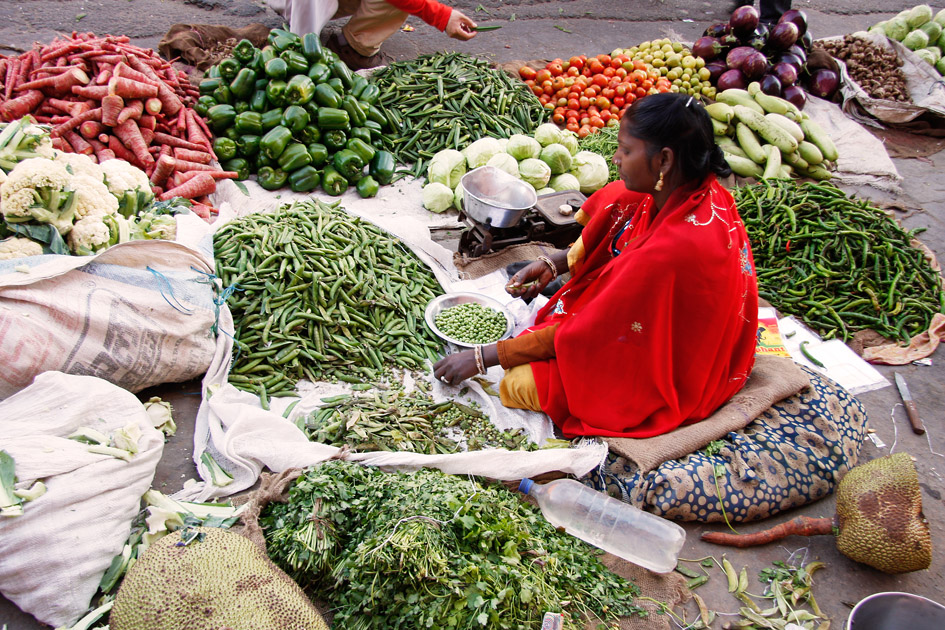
837, 262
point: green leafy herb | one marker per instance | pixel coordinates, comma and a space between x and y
242, 187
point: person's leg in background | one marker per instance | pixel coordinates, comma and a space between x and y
772, 10
372, 23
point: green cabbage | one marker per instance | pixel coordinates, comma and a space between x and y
437, 197
534, 172
933, 30
590, 170
925, 54
940, 18
940, 66
548, 133
447, 167
522, 147
879, 26
919, 15
935, 52
941, 41
458, 197
916, 40
570, 140
479, 152
503, 144
565, 181
544, 191
557, 157
504, 162
896, 29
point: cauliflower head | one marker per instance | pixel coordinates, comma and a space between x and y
92, 198
80, 164
129, 184
18, 247
38, 189
89, 235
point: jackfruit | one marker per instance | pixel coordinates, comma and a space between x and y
221, 580
879, 514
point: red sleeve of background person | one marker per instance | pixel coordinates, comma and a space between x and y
430, 11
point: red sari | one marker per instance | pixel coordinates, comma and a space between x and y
657, 326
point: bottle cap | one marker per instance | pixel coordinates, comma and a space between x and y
525, 485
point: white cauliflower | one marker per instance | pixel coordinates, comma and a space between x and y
92, 198
18, 247
93, 234
80, 164
129, 184
38, 190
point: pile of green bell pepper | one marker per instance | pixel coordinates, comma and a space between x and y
295, 115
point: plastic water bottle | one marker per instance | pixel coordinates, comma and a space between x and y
619, 528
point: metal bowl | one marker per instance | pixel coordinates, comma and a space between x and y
895, 611
443, 302
492, 196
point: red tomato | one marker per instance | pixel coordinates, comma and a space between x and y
586, 72
575, 62
562, 102
537, 91
584, 131
590, 93
595, 66
562, 93
558, 82
543, 75
573, 103
599, 79
573, 125
547, 89
597, 122
639, 92
603, 102
620, 73
619, 101
606, 115
604, 59
613, 122
608, 92
573, 71
621, 89
556, 69
584, 102
646, 85
543, 98
608, 72
613, 110
527, 73
557, 119
619, 60
638, 76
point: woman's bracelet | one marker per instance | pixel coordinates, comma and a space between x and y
480, 362
551, 265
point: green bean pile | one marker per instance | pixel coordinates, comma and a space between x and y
471, 323
321, 295
837, 262
448, 100
397, 421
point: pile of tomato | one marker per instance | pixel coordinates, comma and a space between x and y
587, 93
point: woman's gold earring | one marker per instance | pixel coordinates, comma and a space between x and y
659, 184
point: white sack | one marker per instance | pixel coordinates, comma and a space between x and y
54, 555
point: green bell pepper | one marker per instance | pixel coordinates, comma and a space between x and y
305, 179
248, 145
328, 56
282, 40
271, 178
299, 90
203, 104
358, 83
369, 94
367, 187
295, 118
213, 73
271, 118
274, 142
275, 92
326, 96
277, 68
296, 62
244, 51
340, 70
337, 85
348, 163
361, 132
244, 84
231, 133
311, 47
319, 73
374, 129
333, 182
229, 67
249, 123
364, 150
265, 54
310, 134
258, 101
240, 107
334, 139
333, 118
355, 113
223, 95
207, 86
221, 116
224, 148
239, 166
294, 157
319, 153
382, 167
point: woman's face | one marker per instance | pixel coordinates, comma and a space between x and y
636, 169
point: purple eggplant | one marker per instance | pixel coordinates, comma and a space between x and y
744, 20
707, 47
754, 66
717, 30
799, 52
757, 42
771, 85
786, 73
823, 83
737, 56
716, 68
792, 60
796, 17
796, 95
807, 41
730, 41
732, 79
783, 36
761, 30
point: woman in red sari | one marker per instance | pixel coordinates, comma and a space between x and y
656, 327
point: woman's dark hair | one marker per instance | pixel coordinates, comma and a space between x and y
678, 122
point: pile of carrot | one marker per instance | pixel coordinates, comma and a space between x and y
107, 98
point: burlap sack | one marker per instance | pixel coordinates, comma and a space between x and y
202, 45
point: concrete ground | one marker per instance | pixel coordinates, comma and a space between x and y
543, 30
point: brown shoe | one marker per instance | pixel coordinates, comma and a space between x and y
352, 58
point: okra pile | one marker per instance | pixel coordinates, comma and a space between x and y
295, 115
471, 323
322, 295
446, 101
839, 263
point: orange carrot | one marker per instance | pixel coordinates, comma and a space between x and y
197, 186
103, 77
79, 144
183, 176
147, 122
128, 88
75, 121
102, 152
201, 210
162, 170
13, 75
97, 92
153, 106
200, 157
111, 108
91, 128
120, 151
123, 70
73, 108
130, 136
185, 165
16, 108
146, 134
59, 84
61, 145
174, 141
132, 109
798, 526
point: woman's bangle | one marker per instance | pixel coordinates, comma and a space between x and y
480, 362
551, 265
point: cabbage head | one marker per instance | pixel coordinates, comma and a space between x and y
479, 152
458, 197
547, 133
590, 170
503, 144
570, 140
919, 15
544, 191
534, 172
940, 18
565, 181
522, 147
933, 30
447, 167
437, 197
915, 40
926, 55
940, 65
896, 29
504, 162
557, 157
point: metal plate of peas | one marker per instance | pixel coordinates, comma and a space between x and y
468, 319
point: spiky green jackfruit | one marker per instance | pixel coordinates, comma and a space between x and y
221, 581
879, 515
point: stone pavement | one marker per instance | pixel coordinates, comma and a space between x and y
545, 29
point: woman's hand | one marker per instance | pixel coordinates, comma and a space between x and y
455, 368
529, 281
460, 26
